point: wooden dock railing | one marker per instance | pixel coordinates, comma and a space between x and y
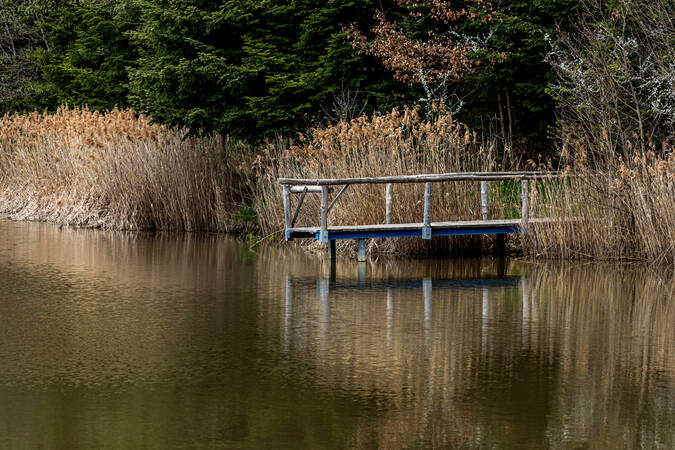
425, 229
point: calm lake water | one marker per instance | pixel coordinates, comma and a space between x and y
113, 340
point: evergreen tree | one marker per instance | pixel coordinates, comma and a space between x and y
87, 55
249, 67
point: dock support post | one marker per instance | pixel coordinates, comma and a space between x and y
323, 234
331, 250
524, 213
501, 244
484, 189
426, 230
287, 208
362, 250
332, 263
486, 318
387, 201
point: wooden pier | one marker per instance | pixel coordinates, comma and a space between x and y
426, 229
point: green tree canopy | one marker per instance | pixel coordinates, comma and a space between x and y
250, 67
87, 56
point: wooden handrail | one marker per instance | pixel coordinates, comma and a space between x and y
425, 178
303, 186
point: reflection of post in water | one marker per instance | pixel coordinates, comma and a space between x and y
388, 286
484, 323
525, 330
428, 398
389, 316
287, 312
426, 287
362, 273
324, 289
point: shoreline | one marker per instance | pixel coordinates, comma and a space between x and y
121, 171
319, 250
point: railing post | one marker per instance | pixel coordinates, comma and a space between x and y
484, 190
533, 197
323, 234
426, 230
387, 201
287, 208
524, 213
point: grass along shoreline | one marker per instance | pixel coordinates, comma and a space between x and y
118, 170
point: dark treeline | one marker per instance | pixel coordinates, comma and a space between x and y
255, 68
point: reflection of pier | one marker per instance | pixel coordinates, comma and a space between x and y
478, 281
327, 290
452, 346
379, 285
433, 337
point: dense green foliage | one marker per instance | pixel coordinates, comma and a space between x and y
247, 66
250, 68
523, 75
89, 55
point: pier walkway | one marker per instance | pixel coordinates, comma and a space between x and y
426, 229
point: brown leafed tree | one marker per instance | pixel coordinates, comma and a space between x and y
444, 56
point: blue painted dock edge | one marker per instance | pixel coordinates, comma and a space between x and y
369, 234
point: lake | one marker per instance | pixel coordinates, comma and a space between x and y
151, 340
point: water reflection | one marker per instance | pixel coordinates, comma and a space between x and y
482, 355
193, 340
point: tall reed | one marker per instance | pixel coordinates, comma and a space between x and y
622, 206
113, 170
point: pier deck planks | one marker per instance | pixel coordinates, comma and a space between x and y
456, 228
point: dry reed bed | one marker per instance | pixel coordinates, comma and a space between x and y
624, 206
625, 209
115, 170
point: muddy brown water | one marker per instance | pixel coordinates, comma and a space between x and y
118, 340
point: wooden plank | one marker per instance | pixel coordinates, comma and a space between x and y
412, 226
417, 232
301, 189
337, 197
455, 176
